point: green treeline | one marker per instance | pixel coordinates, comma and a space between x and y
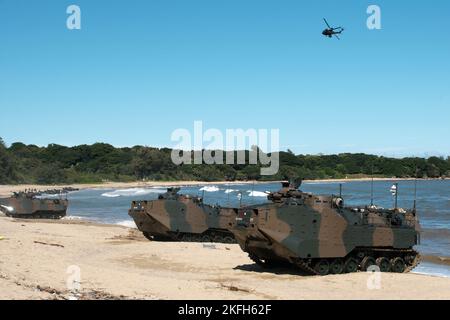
56, 164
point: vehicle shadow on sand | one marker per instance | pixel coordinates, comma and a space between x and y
278, 270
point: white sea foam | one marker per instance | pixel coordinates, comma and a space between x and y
49, 196
432, 269
110, 195
127, 223
210, 189
432, 273
231, 191
131, 192
7, 208
72, 218
256, 194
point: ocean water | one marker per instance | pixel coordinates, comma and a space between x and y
433, 205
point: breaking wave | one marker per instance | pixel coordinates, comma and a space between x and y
432, 269
111, 195
210, 189
49, 196
131, 192
231, 191
7, 208
257, 194
76, 218
127, 223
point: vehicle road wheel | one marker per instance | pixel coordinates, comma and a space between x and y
147, 235
264, 263
384, 264
186, 238
367, 263
206, 238
322, 267
160, 238
398, 265
218, 239
351, 265
337, 266
178, 237
228, 239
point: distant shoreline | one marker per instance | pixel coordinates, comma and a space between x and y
375, 179
6, 190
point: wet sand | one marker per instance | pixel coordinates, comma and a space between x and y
37, 258
445, 261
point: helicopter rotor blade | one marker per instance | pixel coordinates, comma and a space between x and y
327, 23
337, 37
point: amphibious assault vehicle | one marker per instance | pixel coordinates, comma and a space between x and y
321, 236
177, 217
30, 205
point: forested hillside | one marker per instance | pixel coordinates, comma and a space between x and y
20, 163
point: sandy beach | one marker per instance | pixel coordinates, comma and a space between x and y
37, 258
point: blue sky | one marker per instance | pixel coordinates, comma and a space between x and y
137, 70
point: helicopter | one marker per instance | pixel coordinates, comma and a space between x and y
330, 32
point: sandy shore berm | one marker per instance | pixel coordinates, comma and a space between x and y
37, 258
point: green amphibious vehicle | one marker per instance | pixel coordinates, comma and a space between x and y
178, 217
30, 205
321, 236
